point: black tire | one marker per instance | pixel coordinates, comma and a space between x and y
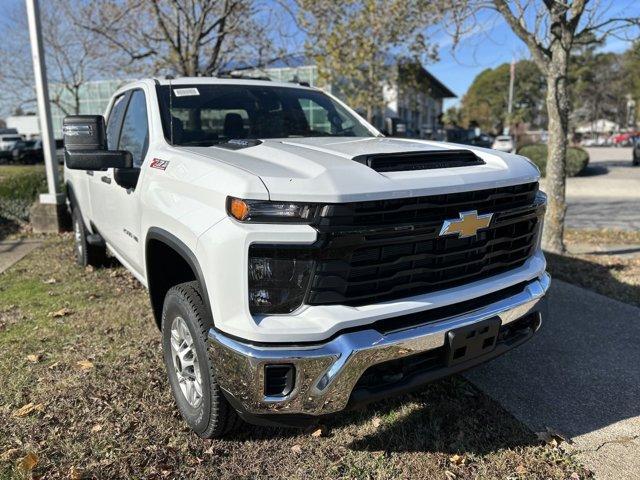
213, 417
86, 254
636, 161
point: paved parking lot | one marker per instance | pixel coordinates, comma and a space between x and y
607, 195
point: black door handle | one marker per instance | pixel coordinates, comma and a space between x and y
106, 179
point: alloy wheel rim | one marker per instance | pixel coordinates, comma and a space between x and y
185, 362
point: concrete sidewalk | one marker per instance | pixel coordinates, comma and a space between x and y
580, 376
13, 250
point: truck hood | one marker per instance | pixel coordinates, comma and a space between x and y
322, 169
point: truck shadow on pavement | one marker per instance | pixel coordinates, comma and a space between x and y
581, 374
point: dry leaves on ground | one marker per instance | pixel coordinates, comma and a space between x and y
85, 364
28, 408
553, 437
29, 462
63, 312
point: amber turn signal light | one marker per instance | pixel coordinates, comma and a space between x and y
238, 209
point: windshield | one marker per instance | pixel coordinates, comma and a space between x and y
209, 114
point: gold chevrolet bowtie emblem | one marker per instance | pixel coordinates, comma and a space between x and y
467, 225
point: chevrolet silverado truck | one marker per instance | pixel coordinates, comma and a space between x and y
298, 262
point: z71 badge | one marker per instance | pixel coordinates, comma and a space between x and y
159, 164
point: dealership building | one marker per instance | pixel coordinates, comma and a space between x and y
414, 110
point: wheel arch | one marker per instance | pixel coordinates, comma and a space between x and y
178, 264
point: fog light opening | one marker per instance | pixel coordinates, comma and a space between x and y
279, 380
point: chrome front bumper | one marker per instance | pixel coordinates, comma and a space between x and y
326, 373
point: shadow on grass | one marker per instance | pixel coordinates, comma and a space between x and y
448, 416
594, 276
7, 227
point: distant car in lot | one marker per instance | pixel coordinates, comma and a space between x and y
504, 143
623, 139
469, 136
28, 152
636, 151
8, 142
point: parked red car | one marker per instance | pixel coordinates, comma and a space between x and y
623, 139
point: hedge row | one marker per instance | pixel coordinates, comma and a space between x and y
19, 188
577, 158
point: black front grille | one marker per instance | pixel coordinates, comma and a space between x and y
389, 249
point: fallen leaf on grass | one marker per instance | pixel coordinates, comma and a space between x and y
457, 459
34, 358
297, 449
75, 473
377, 421
28, 408
96, 428
521, 470
449, 474
53, 365
29, 462
320, 431
50, 281
89, 269
63, 312
85, 364
574, 476
9, 454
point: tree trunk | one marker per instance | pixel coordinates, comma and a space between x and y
558, 111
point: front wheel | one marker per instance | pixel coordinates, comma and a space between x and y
185, 323
86, 254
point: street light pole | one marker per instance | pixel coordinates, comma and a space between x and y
512, 75
44, 109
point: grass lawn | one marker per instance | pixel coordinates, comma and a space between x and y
614, 276
81, 352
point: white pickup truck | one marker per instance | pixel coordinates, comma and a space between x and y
298, 262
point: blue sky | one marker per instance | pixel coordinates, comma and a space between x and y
495, 44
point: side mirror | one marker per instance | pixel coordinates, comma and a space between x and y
85, 145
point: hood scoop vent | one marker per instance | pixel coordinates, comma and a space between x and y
427, 160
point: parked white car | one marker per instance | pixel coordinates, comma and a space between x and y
504, 143
298, 262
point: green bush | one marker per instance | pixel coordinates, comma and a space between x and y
19, 188
577, 158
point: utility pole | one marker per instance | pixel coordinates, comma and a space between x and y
512, 76
45, 217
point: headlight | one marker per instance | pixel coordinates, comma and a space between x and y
270, 212
278, 279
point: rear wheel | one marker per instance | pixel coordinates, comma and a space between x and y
185, 323
636, 160
86, 254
